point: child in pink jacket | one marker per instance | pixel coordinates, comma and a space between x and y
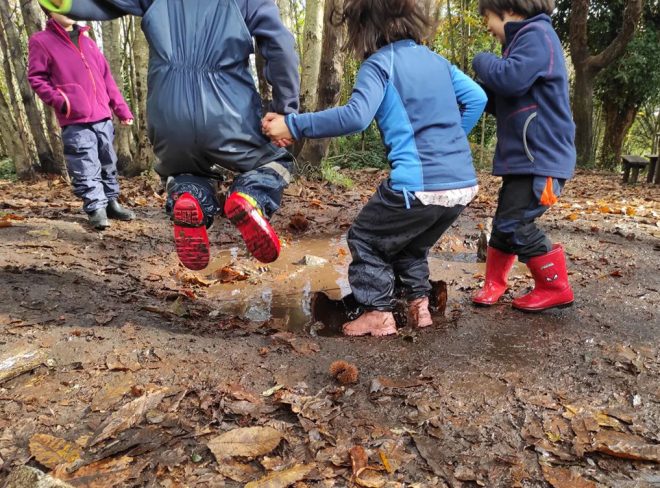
69, 73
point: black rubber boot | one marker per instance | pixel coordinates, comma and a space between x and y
116, 211
98, 219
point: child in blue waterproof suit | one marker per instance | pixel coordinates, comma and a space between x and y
204, 111
414, 95
535, 152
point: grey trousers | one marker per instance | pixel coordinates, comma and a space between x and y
91, 162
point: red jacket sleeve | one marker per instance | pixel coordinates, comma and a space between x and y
39, 76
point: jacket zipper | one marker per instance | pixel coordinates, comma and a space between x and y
82, 56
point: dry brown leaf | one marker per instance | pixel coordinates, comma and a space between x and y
101, 474
369, 478
128, 415
247, 442
386, 462
53, 451
565, 478
228, 274
237, 471
282, 479
112, 392
5, 223
626, 446
359, 459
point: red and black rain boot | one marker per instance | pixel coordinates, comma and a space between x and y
259, 236
551, 287
498, 265
190, 237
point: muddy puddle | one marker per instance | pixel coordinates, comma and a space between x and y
284, 290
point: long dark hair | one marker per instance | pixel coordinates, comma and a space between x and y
372, 24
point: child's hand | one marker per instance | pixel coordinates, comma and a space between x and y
126, 122
273, 126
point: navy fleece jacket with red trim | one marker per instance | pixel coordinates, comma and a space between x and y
535, 128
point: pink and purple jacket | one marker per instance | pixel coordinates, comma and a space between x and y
76, 82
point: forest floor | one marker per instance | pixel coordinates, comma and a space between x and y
137, 372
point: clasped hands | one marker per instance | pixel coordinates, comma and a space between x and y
273, 126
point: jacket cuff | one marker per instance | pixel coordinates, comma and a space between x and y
290, 121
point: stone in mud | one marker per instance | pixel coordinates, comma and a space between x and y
309, 260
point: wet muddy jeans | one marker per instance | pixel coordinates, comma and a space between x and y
91, 162
390, 244
514, 227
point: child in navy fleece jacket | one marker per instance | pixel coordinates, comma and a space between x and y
535, 152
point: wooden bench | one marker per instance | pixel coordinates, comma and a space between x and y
653, 175
634, 163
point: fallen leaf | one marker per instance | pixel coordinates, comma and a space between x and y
282, 479
565, 478
128, 415
626, 446
5, 223
301, 345
272, 390
246, 442
386, 462
112, 392
237, 471
53, 451
101, 474
369, 478
359, 459
228, 274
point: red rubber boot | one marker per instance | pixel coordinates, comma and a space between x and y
259, 236
498, 265
190, 237
551, 287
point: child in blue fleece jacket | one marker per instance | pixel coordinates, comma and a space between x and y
535, 152
414, 95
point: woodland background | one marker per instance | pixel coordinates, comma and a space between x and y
612, 50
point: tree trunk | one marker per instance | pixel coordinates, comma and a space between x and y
33, 17
145, 155
583, 108
329, 82
617, 124
311, 58
17, 150
587, 67
44, 151
123, 134
265, 90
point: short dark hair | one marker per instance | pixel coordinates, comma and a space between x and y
525, 8
372, 24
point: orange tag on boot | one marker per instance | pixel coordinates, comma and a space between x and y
548, 197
